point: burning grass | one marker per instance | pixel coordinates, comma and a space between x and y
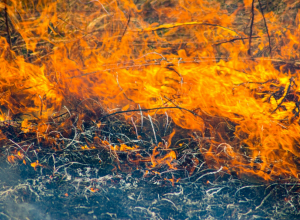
137, 84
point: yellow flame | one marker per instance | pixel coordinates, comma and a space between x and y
189, 59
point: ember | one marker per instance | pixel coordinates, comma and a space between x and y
152, 86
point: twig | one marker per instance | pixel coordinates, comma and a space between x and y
169, 67
251, 27
164, 199
262, 12
232, 40
166, 123
41, 110
261, 83
172, 102
7, 29
209, 174
21, 149
195, 60
181, 107
136, 131
169, 26
68, 111
75, 136
142, 121
215, 190
153, 129
128, 21
146, 110
244, 187
262, 202
292, 80
17, 145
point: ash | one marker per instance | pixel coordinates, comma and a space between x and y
83, 192
99, 183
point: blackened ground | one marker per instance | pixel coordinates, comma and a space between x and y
82, 192
70, 183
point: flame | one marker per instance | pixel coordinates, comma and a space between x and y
11, 159
93, 189
191, 59
167, 159
35, 164
17, 156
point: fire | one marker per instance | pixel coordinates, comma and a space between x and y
35, 164
192, 60
17, 156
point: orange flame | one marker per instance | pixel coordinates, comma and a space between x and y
17, 156
191, 59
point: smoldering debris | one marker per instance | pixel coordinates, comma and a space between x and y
83, 192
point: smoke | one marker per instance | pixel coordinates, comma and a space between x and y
25, 211
13, 196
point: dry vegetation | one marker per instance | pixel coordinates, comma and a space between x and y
199, 99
